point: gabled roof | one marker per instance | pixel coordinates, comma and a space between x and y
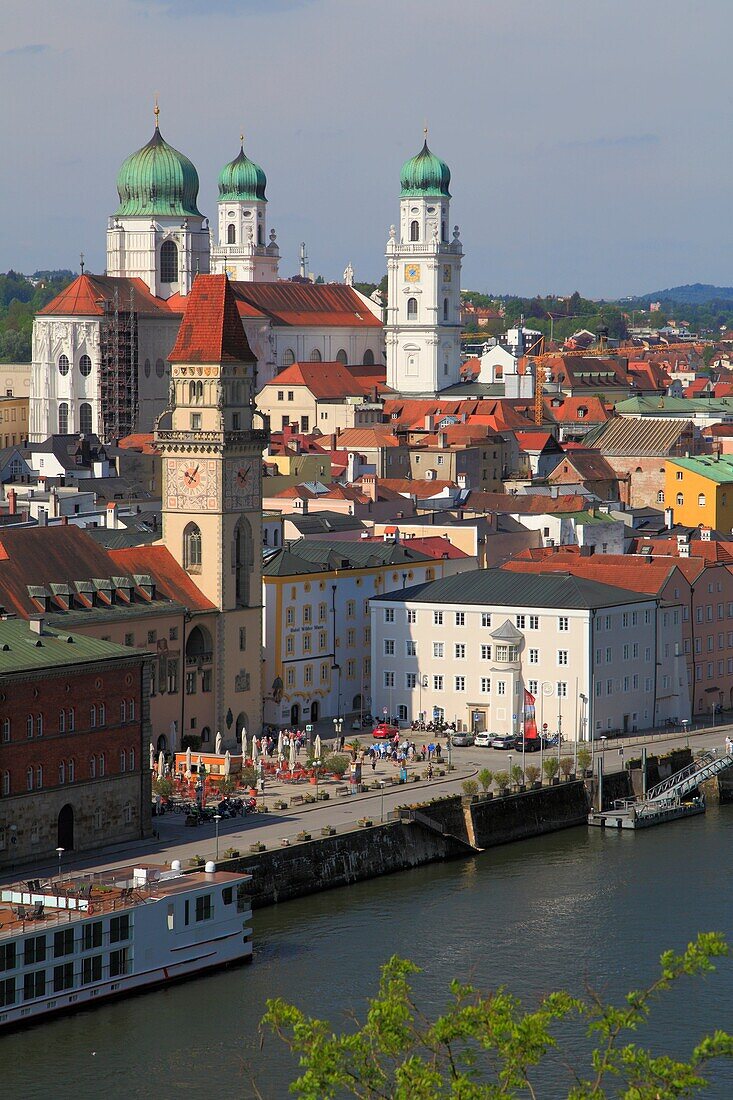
377, 435
324, 381
211, 330
300, 304
171, 579
434, 546
569, 409
627, 437
536, 504
314, 556
415, 488
621, 570
85, 297
588, 465
22, 650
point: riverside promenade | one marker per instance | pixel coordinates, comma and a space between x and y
341, 812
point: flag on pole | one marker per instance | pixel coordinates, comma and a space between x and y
530, 723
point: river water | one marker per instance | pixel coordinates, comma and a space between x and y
574, 908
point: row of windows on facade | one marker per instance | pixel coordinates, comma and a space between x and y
349, 669
415, 231
85, 418
85, 365
525, 622
35, 723
233, 393
287, 358
232, 234
504, 653
560, 688
160, 368
39, 949
412, 309
67, 771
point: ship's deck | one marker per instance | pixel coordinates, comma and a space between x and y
31, 906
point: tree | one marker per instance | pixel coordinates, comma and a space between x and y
584, 760
502, 780
532, 772
566, 765
550, 767
470, 787
485, 1045
485, 778
516, 774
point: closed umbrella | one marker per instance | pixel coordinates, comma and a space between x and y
218, 744
244, 745
280, 743
152, 756
254, 749
227, 763
317, 747
188, 760
292, 754
161, 765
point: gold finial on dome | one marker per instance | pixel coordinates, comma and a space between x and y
425, 129
241, 139
156, 110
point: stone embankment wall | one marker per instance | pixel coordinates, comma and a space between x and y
446, 828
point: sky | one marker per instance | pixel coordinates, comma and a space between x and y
589, 140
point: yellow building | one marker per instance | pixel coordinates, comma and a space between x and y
13, 420
700, 491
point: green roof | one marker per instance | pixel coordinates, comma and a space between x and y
499, 587
675, 406
424, 174
242, 179
315, 556
719, 470
158, 180
22, 650
588, 518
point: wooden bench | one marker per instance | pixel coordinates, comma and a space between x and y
296, 799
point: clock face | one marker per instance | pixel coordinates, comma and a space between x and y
412, 273
191, 484
447, 272
242, 485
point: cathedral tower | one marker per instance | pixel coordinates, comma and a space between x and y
211, 440
157, 233
243, 251
423, 326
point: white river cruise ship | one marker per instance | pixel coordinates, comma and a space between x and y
73, 941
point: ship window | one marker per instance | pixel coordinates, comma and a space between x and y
186, 915
227, 895
7, 956
92, 935
63, 977
34, 950
7, 992
118, 962
63, 943
203, 907
171, 910
119, 928
34, 985
91, 969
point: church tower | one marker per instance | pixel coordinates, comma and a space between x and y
423, 324
211, 440
157, 233
243, 251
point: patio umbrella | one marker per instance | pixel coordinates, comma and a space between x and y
161, 765
152, 756
244, 744
188, 760
218, 743
280, 743
254, 749
227, 763
317, 750
292, 754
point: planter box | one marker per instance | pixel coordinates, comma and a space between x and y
303, 836
285, 841
256, 847
365, 822
281, 805
504, 792
555, 781
323, 796
536, 786
328, 830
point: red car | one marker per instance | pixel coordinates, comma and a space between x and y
384, 732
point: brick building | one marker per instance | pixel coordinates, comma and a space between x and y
74, 737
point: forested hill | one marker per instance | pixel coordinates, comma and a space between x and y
691, 294
20, 300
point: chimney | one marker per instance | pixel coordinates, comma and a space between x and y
42, 517
369, 486
111, 515
429, 422
442, 439
668, 518
12, 502
53, 504
35, 622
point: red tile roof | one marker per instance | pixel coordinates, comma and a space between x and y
170, 578
142, 442
324, 380
85, 297
405, 487
618, 569
211, 330
302, 304
524, 503
435, 546
534, 441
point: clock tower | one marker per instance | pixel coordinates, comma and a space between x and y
211, 439
423, 327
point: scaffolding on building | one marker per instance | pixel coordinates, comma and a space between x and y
118, 368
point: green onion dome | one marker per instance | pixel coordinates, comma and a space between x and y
242, 180
156, 180
425, 174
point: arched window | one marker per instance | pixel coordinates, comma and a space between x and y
288, 357
231, 233
341, 356
6, 729
411, 309
71, 770
243, 560
192, 547
131, 757
680, 498
195, 393
169, 262
102, 713
39, 725
85, 418
62, 721
445, 309
147, 368
6, 783
92, 767
260, 235
415, 231
63, 417
102, 765
29, 725
123, 710
70, 719
160, 367
131, 710
701, 500
63, 364
92, 716
29, 779
62, 772
85, 366
660, 496
123, 760
369, 357
315, 356
39, 776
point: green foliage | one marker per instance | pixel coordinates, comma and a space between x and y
516, 774
502, 780
584, 759
163, 787
485, 778
532, 772
248, 777
566, 765
470, 787
19, 303
190, 741
550, 767
337, 764
227, 785
488, 1046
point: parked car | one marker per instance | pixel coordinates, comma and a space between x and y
503, 741
384, 731
482, 740
462, 739
529, 744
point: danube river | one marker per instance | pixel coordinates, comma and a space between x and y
575, 908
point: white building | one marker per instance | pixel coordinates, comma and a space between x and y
242, 252
423, 320
468, 647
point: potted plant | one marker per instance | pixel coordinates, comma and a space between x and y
328, 830
258, 846
231, 853
485, 778
365, 822
280, 804
502, 781
516, 775
566, 767
196, 861
337, 764
470, 788
303, 835
533, 774
550, 768
584, 761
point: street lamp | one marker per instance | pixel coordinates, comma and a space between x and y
217, 819
510, 767
59, 853
382, 786
337, 727
316, 766
423, 683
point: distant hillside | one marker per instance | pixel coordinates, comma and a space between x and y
693, 294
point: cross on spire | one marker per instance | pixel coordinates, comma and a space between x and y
81, 262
